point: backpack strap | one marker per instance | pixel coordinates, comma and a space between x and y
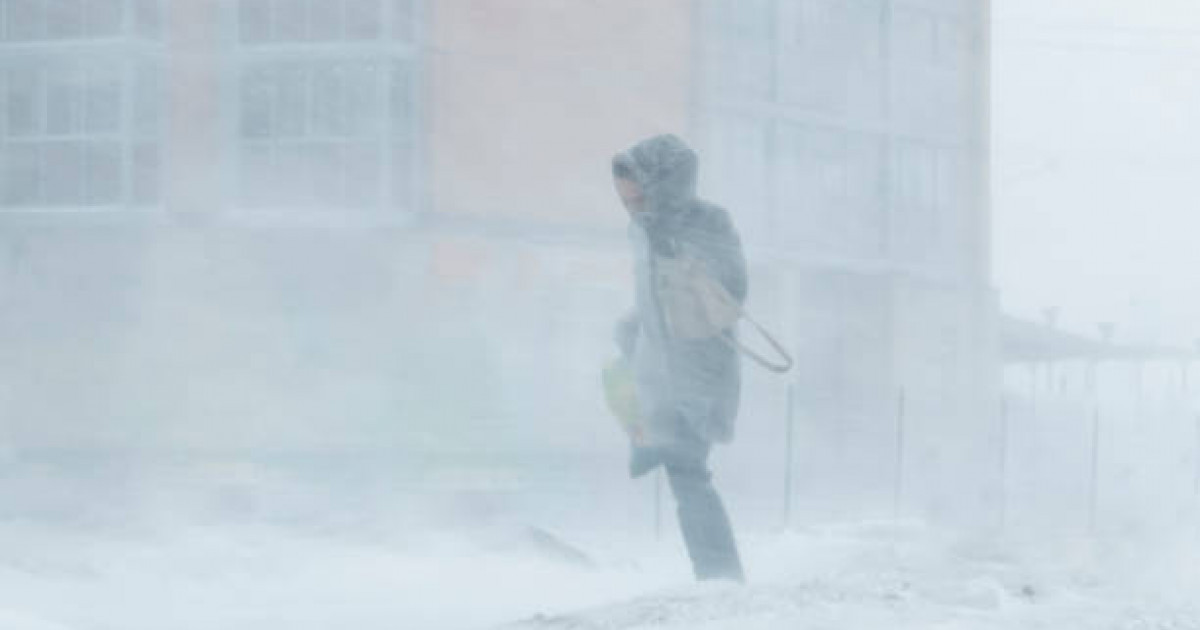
779, 368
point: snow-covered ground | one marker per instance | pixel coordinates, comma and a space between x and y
865, 575
907, 576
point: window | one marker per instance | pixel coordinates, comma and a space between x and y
65, 140
915, 222
915, 36
404, 20
64, 19
953, 45
954, 205
866, 186
932, 39
326, 132
932, 203
254, 21
740, 158
25, 20
742, 57
104, 18
324, 126
361, 21
317, 21
830, 58
53, 20
148, 17
831, 183
916, 181
80, 125
24, 100
936, 53
749, 20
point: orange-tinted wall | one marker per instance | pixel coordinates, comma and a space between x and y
529, 101
194, 102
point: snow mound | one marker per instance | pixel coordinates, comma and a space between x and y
870, 576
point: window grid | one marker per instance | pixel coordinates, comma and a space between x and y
927, 197
320, 127
72, 142
831, 189
276, 22
894, 152
48, 21
79, 124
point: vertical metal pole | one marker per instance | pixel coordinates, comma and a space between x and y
1196, 479
1140, 384
1033, 387
1003, 462
1094, 489
898, 474
1196, 475
787, 457
658, 479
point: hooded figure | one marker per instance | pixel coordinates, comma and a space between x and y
687, 387
699, 379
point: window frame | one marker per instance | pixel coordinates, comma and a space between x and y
399, 144
127, 59
80, 79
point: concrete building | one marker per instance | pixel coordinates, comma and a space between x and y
377, 205
852, 140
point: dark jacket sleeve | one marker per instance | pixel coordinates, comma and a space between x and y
625, 333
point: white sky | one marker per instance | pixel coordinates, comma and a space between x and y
1096, 163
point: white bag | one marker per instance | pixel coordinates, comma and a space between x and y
697, 306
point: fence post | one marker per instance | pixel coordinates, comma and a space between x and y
1094, 488
1196, 478
1141, 389
1196, 474
658, 480
1003, 462
787, 456
898, 478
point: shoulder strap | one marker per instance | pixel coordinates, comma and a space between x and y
779, 368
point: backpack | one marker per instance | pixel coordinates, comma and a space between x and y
697, 306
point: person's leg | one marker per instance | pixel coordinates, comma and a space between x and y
702, 518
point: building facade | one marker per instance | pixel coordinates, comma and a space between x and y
417, 194
851, 138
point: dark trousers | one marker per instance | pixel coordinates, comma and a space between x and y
705, 525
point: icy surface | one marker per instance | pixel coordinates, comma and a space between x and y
884, 576
514, 576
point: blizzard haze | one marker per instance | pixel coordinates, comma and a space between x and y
1094, 147
304, 306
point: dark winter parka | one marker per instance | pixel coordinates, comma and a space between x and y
696, 380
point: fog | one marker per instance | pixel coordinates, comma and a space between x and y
305, 306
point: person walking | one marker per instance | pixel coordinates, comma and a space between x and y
687, 383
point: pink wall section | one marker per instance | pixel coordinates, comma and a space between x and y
530, 100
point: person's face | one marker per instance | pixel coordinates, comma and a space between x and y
631, 195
